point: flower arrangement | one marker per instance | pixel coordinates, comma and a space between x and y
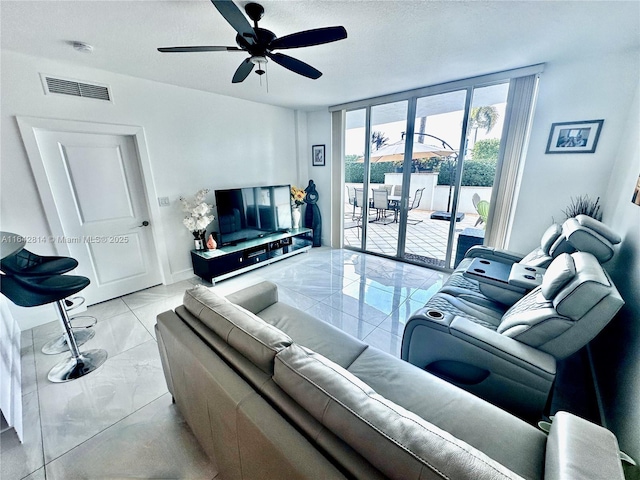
198, 210
297, 196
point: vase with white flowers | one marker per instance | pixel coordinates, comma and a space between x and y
297, 199
198, 217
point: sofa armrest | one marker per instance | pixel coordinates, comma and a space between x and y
577, 448
434, 318
256, 297
490, 253
503, 371
511, 350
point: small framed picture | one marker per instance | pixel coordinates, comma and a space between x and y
636, 193
574, 137
317, 155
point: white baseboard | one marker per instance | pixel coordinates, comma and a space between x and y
182, 275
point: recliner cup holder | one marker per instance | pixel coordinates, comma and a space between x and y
486, 262
479, 270
530, 269
529, 277
435, 314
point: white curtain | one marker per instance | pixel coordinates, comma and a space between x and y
337, 177
515, 136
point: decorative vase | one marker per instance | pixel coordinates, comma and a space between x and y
211, 242
199, 239
295, 216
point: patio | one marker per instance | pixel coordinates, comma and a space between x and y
426, 241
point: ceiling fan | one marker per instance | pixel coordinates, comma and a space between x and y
260, 42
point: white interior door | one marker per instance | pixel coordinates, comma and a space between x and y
98, 192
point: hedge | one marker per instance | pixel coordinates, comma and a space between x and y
354, 172
476, 173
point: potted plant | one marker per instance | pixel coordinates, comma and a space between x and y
584, 205
198, 218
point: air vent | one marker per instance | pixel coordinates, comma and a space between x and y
74, 88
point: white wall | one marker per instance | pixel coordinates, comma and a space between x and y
319, 133
195, 140
588, 89
616, 350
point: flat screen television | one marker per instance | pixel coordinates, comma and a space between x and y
252, 212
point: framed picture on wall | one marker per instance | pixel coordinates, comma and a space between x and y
636, 193
317, 155
574, 137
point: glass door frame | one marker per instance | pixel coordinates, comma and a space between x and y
412, 97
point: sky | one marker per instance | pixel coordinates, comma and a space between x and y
446, 126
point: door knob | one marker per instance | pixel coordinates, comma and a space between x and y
144, 224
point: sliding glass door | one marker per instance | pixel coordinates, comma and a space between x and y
419, 171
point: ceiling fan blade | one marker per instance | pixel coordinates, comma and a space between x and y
295, 65
198, 49
243, 71
236, 19
309, 38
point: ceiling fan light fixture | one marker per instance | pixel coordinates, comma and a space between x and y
260, 43
259, 60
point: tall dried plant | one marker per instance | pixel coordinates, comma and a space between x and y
583, 205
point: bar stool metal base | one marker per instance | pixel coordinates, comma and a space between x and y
72, 368
60, 345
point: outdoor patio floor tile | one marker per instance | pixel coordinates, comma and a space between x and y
425, 239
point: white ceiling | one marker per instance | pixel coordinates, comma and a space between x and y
391, 46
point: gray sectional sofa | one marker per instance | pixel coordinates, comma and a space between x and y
501, 321
273, 393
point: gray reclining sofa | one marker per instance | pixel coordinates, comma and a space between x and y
500, 322
273, 393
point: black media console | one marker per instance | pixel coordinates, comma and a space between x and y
225, 262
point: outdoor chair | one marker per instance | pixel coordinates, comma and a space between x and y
382, 206
359, 203
483, 212
475, 199
415, 204
388, 188
351, 197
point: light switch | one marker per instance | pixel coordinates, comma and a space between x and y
163, 201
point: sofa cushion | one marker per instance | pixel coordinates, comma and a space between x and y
549, 237
599, 227
586, 234
584, 290
398, 442
251, 336
559, 273
454, 410
315, 334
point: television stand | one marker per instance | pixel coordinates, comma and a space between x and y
231, 260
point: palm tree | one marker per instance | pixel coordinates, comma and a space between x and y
483, 117
378, 139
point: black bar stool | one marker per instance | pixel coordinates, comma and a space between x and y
28, 264
35, 291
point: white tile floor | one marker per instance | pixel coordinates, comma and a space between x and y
119, 422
